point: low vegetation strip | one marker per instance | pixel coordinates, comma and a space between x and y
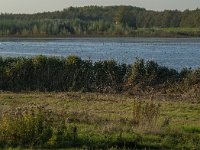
42, 73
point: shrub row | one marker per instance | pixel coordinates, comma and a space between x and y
74, 74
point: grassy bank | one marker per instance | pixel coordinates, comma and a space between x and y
167, 32
93, 120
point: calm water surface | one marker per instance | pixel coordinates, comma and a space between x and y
174, 53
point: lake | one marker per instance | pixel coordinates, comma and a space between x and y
176, 53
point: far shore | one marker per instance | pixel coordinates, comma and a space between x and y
86, 37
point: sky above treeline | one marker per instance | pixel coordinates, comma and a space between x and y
34, 6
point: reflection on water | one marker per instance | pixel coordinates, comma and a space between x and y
175, 53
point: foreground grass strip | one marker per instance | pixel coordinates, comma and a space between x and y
93, 120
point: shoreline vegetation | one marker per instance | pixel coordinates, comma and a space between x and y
137, 33
109, 21
42, 73
13, 38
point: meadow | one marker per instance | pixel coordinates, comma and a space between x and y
97, 121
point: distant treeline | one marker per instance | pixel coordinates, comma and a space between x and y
42, 73
94, 20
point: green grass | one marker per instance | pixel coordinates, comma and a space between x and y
178, 29
168, 32
106, 121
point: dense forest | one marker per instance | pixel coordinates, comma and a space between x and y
102, 21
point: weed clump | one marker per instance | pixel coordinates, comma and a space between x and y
145, 113
34, 126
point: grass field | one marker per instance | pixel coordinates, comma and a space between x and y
115, 121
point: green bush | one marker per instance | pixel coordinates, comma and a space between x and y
150, 74
108, 75
35, 126
78, 74
26, 127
